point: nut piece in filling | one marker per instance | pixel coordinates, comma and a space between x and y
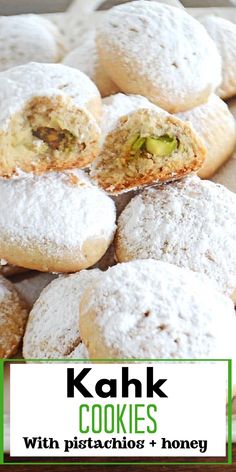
51, 127
147, 146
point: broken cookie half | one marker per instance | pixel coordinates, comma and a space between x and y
143, 144
49, 116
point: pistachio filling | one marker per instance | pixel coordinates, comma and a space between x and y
56, 139
157, 146
139, 159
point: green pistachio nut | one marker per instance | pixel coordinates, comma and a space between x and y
161, 146
132, 139
138, 143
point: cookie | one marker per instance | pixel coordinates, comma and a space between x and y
143, 144
223, 32
48, 118
152, 309
214, 122
26, 38
160, 52
52, 329
13, 316
86, 59
191, 223
56, 222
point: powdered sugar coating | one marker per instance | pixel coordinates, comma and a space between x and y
118, 105
214, 122
152, 309
20, 84
76, 25
26, 38
85, 58
223, 32
160, 52
191, 223
52, 330
60, 208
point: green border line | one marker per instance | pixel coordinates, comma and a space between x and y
2, 412
130, 360
230, 414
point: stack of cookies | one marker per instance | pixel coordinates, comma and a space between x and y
70, 161
161, 52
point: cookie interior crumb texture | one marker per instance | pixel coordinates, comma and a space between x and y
151, 309
48, 118
145, 146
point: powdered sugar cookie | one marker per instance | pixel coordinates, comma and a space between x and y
52, 330
26, 38
216, 126
13, 316
160, 52
143, 144
191, 223
86, 59
223, 32
48, 118
151, 309
57, 222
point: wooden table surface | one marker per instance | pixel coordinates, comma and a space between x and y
124, 468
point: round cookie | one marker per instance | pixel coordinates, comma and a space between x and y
223, 33
26, 38
190, 223
143, 144
56, 222
214, 122
151, 309
85, 58
160, 52
13, 316
52, 328
48, 118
